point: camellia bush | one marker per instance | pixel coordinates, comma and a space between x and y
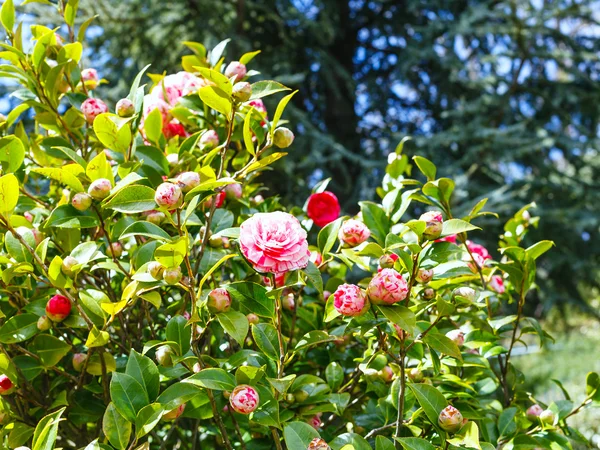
154, 297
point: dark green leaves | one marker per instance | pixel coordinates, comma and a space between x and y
18, 328
216, 379
252, 298
235, 324
128, 395
377, 221
145, 372
431, 400
265, 336
297, 435
116, 428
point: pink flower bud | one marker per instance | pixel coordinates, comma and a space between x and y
156, 217
209, 140
283, 137
188, 180
288, 302
172, 276
6, 385
218, 198
78, 361
163, 356
115, 249
235, 69
424, 276
316, 258
350, 300
100, 188
450, 419
81, 201
58, 308
38, 236
67, 266
466, 292
388, 261
415, 375
252, 318
318, 444
402, 334
156, 269
219, 300
28, 216
168, 195
456, 336
242, 91
173, 159
496, 284
90, 78
257, 200
92, 108
174, 413
315, 422
233, 191
353, 232
125, 108
386, 374
44, 323
428, 293
533, 412
244, 399
387, 287
196, 368
435, 222
548, 417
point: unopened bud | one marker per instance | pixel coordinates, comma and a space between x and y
450, 419
548, 417
434, 224
424, 276
163, 356
125, 108
116, 249
156, 269
219, 300
81, 201
156, 217
242, 91
283, 137
288, 302
67, 266
533, 412
44, 323
428, 293
78, 361
188, 180
252, 318
172, 275
100, 188
415, 375
388, 261
466, 292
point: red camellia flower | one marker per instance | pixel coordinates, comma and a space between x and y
496, 284
323, 208
58, 308
6, 386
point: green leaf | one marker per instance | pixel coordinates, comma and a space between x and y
328, 236
314, 337
179, 331
426, 167
217, 78
7, 14
128, 395
114, 136
468, 436
252, 298
235, 324
147, 419
456, 226
400, 315
247, 57
539, 248
264, 88
442, 344
279, 111
46, 431
265, 336
350, 441
216, 99
592, 386
65, 216
172, 253
9, 194
12, 152
146, 229
178, 394
153, 125
132, 199
383, 443
145, 372
116, 428
62, 176
248, 133
97, 338
412, 443
14, 247
71, 12
212, 378
19, 435
314, 276
374, 217
49, 349
99, 167
334, 374
431, 400
19, 328
297, 435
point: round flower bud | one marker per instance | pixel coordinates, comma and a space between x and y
218, 198
174, 413
215, 241
22, 448
323, 208
387, 287
173, 159
350, 300
353, 232
6, 385
28, 216
115, 249
315, 421
533, 412
300, 396
209, 140
90, 78
92, 108
156, 269
316, 258
283, 137
188, 180
67, 266
244, 399
428, 293
456, 336
219, 300
163, 356
58, 308
156, 217
318, 444
288, 302
388, 261
235, 69
415, 375
125, 108
402, 334
196, 368
44, 324
242, 91
100, 188
233, 191
466, 292
435, 222
172, 275
424, 276
81, 201
496, 284
257, 200
450, 419
168, 195
547, 417
78, 361
38, 236
386, 374
252, 318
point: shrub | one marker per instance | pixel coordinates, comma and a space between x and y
152, 298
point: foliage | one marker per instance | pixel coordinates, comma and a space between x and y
123, 258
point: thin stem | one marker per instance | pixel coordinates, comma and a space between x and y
401, 395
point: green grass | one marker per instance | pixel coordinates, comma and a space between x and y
569, 359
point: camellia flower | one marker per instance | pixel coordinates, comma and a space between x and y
315, 421
387, 287
456, 336
478, 249
435, 222
168, 195
451, 239
236, 69
318, 444
6, 385
274, 242
353, 232
90, 78
450, 419
316, 258
92, 108
58, 308
279, 280
323, 208
350, 300
496, 284
244, 399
